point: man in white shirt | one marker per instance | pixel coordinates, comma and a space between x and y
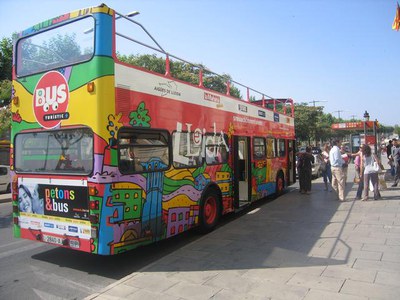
335, 157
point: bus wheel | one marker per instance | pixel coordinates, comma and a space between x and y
209, 211
280, 185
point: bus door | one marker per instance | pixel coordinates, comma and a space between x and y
242, 171
291, 162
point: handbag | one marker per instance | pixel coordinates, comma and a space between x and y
376, 168
356, 179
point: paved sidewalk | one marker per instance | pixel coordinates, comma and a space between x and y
295, 247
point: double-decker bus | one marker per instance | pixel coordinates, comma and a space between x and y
107, 156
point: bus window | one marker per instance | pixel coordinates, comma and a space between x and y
270, 148
281, 148
55, 151
142, 150
258, 148
186, 150
63, 46
216, 149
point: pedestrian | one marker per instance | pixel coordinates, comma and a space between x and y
304, 165
326, 173
335, 157
371, 165
396, 161
345, 166
390, 159
359, 177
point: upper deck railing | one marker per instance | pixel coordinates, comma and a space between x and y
281, 105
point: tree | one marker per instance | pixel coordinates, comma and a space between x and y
5, 121
6, 49
182, 71
5, 92
5, 71
307, 122
396, 129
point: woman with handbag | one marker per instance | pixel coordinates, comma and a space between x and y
345, 166
326, 172
359, 177
371, 166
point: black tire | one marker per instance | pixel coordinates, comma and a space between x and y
8, 188
210, 211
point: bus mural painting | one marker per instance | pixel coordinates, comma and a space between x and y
107, 156
139, 118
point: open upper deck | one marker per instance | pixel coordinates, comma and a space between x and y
196, 74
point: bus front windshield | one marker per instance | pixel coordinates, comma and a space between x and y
55, 151
62, 46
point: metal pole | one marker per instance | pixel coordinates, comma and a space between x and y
365, 132
376, 140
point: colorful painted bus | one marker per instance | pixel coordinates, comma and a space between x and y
107, 156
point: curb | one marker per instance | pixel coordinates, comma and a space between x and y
4, 198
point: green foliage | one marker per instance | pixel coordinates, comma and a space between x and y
5, 121
182, 71
5, 92
311, 124
396, 129
6, 49
307, 121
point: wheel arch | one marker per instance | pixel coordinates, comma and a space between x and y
211, 189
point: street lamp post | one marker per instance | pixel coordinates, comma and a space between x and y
366, 119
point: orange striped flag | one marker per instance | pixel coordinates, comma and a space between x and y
396, 22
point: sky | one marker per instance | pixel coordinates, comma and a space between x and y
339, 54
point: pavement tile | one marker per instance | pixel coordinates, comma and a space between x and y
121, 291
278, 275
323, 252
231, 281
370, 290
349, 254
388, 278
314, 294
278, 291
393, 241
345, 272
107, 297
232, 295
380, 248
148, 295
386, 266
196, 277
152, 282
192, 291
317, 282
367, 240
391, 256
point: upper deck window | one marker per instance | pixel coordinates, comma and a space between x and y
55, 48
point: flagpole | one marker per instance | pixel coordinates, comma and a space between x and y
396, 21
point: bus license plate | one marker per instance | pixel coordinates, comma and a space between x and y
74, 244
52, 239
